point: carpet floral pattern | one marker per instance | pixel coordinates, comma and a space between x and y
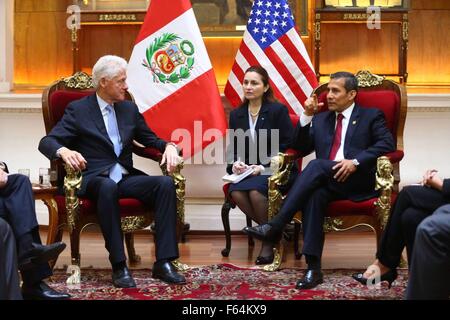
227, 282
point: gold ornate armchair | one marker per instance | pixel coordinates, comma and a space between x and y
342, 215
77, 213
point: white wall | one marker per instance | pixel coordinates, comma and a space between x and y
426, 136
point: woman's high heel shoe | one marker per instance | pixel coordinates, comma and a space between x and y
264, 260
389, 276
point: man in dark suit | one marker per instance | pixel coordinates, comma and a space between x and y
429, 276
9, 274
96, 135
347, 140
17, 210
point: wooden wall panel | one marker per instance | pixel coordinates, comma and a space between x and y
429, 46
121, 43
222, 52
42, 5
42, 47
353, 47
430, 4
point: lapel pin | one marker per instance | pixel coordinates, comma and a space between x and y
354, 122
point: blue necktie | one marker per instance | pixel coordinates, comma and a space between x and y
115, 173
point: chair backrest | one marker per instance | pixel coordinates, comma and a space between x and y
376, 92
59, 94
56, 98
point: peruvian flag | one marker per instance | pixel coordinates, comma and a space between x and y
171, 77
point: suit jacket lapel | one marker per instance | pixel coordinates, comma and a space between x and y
119, 109
97, 117
331, 124
351, 128
263, 113
242, 118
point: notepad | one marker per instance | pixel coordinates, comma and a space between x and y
235, 178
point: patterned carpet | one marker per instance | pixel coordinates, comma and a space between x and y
228, 282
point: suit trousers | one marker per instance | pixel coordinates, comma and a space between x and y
311, 193
414, 203
9, 275
429, 276
156, 192
17, 207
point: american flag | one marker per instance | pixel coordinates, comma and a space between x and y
272, 42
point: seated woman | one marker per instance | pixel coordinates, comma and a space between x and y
266, 129
414, 203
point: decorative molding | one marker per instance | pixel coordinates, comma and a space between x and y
20, 110
428, 109
428, 100
31, 102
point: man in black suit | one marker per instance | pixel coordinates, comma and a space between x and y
347, 140
9, 274
96, 135
429, 276
17, 209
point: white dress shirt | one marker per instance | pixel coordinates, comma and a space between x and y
103, 104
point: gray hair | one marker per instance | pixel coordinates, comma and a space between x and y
107, 67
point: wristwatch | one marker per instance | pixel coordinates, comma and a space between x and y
355, 162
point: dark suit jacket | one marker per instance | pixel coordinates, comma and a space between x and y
272, 115
82, 129
367, 138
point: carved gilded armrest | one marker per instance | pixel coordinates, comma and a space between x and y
385, 183
281, 166
180, 186
72, 183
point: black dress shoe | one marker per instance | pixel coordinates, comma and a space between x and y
40, 254
41, 291
311, 279
264, 232
389, 276
166, 272
264, 260
122, 278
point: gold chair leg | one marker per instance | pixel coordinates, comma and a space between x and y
132, 256
75, 274
180, 266
277, 259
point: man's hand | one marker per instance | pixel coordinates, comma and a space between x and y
171, 157
312, 106
346, 168
3, 178
432, 180
73, 159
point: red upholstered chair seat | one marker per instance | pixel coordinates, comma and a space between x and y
340, 208
128, 207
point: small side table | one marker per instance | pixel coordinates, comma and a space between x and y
46, 194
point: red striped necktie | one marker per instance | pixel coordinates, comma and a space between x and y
337, 137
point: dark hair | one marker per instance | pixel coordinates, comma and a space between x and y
351, 83
268, 95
